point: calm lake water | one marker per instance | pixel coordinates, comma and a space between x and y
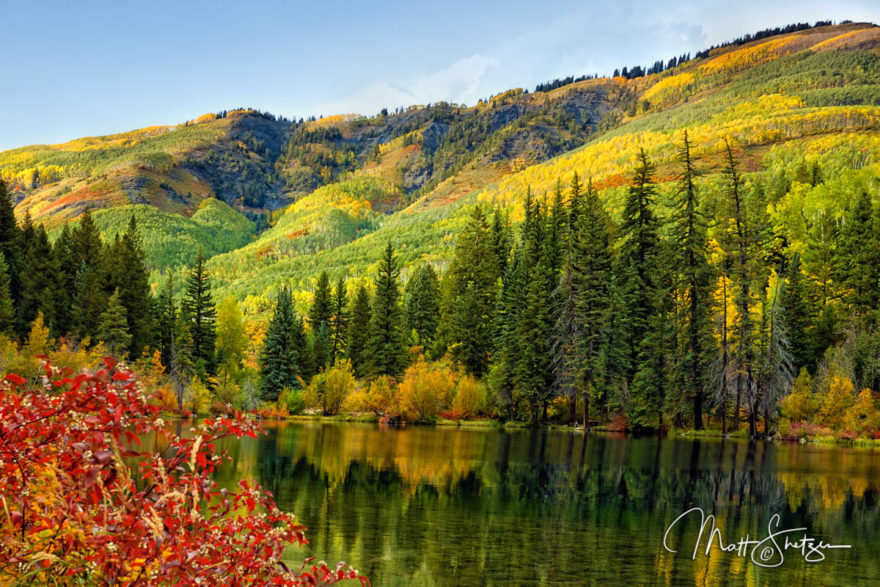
441, 506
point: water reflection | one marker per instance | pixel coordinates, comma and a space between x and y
430, 506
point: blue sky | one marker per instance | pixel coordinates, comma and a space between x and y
86, 68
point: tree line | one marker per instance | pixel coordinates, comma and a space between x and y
674, 318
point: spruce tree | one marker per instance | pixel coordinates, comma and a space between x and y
858, 258
567, 327
38, 286
742, 244
90, 296
339, 321
694, 282
639, 266
591, 268
358, 331
421, 305
166, 320
10, 242
132, 280
279, 359
198, 312
532, 368
320, 314
7, 310
470, 296
386, 346
113, 327
65, 280
795, 316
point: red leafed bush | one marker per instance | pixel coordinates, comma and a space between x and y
72, 510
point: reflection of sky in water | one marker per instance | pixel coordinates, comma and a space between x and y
471, 507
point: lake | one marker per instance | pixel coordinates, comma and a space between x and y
460, 506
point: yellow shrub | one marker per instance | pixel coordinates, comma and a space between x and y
328, 390
468, 397
861, 417
836, 401
425, 391
800, 405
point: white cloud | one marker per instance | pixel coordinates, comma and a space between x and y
460, 83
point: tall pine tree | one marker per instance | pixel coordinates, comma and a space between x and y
200, 315
280, 357
386, 346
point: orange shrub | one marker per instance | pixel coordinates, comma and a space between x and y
425, 390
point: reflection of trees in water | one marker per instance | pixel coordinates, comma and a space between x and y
475, 506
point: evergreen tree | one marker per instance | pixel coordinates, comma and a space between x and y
421, 305
90, 296
640, 267
694, 282
10, 242
591, 267
279, 359
358, 331
132, 280
182, 365
386, 346
567, 327
65, 280
38, 282
320, 314
7, 311
532, 368
197, 309
742, 244
470, 296
858, 258
795, 316
339, 321
166, 321
113, 327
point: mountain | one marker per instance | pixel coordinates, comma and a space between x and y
801, 106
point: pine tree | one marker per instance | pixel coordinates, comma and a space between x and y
639, 266
421, 305
532, 368
339, 321
358, 331
320, 314
567, 325
38, 282
694, 281
10, 242
858, 258
166, 320
742, 244
795, 316
90, 296
280, 359
113, 327
132, 280
197, 309
470, 296
386, 346
7, 311
65, 280
591, 266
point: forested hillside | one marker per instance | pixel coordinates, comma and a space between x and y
691, 243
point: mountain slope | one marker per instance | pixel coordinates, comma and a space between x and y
802, 111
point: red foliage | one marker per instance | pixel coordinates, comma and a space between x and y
71, 508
